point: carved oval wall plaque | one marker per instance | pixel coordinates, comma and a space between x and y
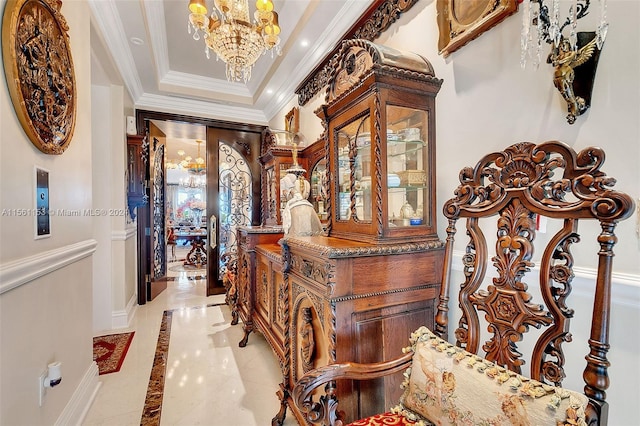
39, 71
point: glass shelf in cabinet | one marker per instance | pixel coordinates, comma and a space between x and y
404, 148
404, 189
406, 142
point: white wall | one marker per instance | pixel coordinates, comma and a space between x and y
124, 227
488, 102
102, 181
114, 274
45, 284
114, 289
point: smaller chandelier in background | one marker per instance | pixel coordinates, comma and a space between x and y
229, 32
187, 163
193, 182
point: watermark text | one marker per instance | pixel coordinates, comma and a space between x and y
64, 212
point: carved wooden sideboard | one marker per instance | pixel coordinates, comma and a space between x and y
319, 300
248, 297
271, 311
357, 301
262, 298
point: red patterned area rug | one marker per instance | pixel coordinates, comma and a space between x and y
109, 351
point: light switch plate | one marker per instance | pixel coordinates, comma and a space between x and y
131, 125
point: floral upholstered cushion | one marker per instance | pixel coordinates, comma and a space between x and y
449, 386
384, 419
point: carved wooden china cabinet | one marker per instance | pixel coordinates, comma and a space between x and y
381, 114
275, 159
358, 293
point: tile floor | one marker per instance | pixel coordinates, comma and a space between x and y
209, 380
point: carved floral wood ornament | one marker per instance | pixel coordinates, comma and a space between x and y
371, 25
39, 70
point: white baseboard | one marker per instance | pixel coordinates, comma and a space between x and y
81, 400
122, 318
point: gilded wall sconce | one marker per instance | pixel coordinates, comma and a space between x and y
574, 57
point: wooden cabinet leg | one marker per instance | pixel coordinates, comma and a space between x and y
245, 339
283, 394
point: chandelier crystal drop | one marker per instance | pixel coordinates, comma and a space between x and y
542, 23
231, 34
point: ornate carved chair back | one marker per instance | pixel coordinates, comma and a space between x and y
518, 186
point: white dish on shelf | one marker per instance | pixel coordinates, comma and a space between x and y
363, 139
411, 134
393, 181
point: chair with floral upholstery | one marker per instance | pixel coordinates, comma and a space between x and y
479, 379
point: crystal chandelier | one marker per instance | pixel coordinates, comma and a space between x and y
195, 166
229, 32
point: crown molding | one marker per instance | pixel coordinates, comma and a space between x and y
177, 105
236, 92
105, 15
349, 13
154, 12
373, 22
175, 81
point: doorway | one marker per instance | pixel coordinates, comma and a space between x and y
185, 208
242, 142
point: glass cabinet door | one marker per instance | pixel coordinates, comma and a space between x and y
319, 183
271, 215
407, 160
354, 170
286, 193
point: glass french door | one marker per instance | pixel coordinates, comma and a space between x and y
235, 200
233, 194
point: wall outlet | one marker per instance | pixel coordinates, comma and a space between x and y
42, 391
